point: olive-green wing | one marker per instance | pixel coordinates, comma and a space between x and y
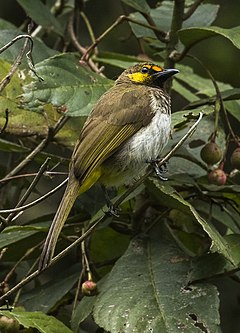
115, 118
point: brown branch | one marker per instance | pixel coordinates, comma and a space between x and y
160, 34
118, 21
103, 217
78, 46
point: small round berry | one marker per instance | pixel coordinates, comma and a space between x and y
211, 153
89, 288
235, 159
217, 177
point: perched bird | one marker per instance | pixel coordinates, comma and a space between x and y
128, 127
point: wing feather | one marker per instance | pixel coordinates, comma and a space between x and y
117, 116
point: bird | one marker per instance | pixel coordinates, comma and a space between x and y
126, 130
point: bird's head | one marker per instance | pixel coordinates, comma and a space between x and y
147, 74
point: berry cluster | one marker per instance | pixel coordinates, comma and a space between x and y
211, 154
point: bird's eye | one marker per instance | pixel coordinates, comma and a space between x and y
144, 70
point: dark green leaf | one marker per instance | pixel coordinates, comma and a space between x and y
207, 266
82, 311
146, 292
168, 196
191, 36
39, 53
42, 15
66, 83
44, 297
233, 107
204, 15
117, 59
17, 233
162, 16
140, 5
37, 320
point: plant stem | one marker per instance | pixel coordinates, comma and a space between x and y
177, 20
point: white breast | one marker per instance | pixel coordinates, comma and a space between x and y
148, 143
130, 161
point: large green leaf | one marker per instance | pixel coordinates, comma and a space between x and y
169, 197
117, 59
44, 297
147, 292
41, 14
140, 5
191, 36
66, 83
162, 16
40, 50
37, 320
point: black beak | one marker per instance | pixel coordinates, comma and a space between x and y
160, 77
165, 74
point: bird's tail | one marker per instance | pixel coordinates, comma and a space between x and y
69, 197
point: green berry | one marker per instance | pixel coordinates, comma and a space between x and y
235, 159
211, 153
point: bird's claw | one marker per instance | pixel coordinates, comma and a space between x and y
159, 170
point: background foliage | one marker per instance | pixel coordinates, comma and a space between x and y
170, 261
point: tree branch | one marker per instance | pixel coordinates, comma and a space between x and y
103, 217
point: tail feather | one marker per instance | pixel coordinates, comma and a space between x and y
69, 197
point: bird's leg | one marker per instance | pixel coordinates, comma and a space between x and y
113, 211
159, 170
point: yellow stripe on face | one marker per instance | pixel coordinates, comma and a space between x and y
139, 77
157, 68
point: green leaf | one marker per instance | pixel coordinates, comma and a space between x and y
199, 84
191, 36
81, 312
139, 5
42, 15
37, 320
146, 292
44, 297
208, 265
66, 83
162, 16
204, 15
181, 117
40, 50
233, 107
117, 59
14, 234
168, 196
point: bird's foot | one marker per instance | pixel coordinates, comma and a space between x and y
112, 211
159, 170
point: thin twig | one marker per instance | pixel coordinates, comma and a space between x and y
26, 194
54, 260
35, 202
46, 173
51, 133
103, 217
118, 21
160, 34
78, 46
28, 43
218, 99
